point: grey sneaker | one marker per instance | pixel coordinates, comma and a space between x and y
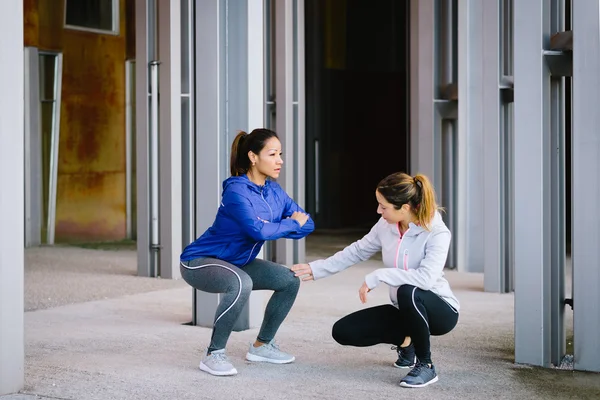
217, 363
420, 376
269, 352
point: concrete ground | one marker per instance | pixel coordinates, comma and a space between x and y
94, 330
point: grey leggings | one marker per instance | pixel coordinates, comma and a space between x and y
216, 276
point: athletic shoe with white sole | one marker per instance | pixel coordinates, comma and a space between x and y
420, 376
217, 363
269, 352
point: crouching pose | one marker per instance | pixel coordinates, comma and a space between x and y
223, 260
414, 243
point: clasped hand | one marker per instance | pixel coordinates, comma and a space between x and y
300, 217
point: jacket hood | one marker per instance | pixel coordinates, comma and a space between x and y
242, 180
414, 229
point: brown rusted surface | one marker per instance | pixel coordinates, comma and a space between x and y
91, 191
31, 23
562, 41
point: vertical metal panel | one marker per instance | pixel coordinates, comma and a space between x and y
188, 122
557, 201
490, 99
284, 86
532, 183
170, 199
129, 141
586, 186
422, 91
300, 168
141, 140
154, 181
208, 125
54, 146
33, 150
12, 200
471, 180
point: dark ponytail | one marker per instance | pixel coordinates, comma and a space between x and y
239, 162
244, 143
418, 192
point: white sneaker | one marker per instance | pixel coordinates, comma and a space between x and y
217, 363
269, 352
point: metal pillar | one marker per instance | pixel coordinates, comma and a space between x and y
288, 95
12, 199
170, 160
532, 184
433, 101
33, 150
229, 98
158, 137
422, 87
586, 187
145, 24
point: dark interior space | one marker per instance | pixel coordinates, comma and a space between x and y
357, 92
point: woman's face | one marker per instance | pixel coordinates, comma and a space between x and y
268, 162
389, 212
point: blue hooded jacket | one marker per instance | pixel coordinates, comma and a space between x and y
248, 215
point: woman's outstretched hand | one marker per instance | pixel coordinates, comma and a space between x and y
303, 270
362, 292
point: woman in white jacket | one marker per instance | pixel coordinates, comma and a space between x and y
414, 243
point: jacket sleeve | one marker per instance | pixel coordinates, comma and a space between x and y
361, 250
290, 207
426, 275
241, 209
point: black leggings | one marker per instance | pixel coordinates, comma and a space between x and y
421, 313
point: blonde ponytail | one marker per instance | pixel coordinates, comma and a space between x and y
426, 208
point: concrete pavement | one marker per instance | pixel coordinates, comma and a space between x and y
134, 344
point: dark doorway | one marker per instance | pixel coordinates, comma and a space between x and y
357, 92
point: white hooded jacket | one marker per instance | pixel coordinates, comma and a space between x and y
416, 258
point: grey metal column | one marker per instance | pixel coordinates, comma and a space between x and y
532, 183
229, 98
144, 24
557, 197
289, 99
434, 101
586, 186
422, 89
170, 161
33, 150
12, 199
491, 141
494, 94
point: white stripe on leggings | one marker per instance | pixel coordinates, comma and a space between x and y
417, 308
227, 268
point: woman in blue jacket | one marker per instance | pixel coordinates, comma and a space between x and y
254, 208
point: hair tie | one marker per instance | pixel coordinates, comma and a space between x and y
418, 182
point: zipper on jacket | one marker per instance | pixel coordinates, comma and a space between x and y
267, 203
398, 249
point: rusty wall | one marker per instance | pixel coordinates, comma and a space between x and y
91, 192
